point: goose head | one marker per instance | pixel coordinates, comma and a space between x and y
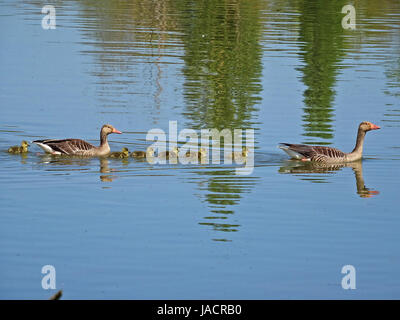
367, 126
108, 128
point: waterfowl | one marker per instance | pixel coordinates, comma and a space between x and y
201, 154
169, 154
78, 147
328, 154
23, 148
143, 154
239, 155
122, 154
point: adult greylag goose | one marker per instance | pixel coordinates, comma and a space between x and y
78, 147
327, 154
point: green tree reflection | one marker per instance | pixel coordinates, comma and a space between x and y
223, 190
222, 70
322, 48
222, 62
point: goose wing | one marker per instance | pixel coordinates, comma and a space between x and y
65, 146
329, 152
310, 152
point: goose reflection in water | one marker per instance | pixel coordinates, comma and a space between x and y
64, 161
298, 167
79, 164
104, 168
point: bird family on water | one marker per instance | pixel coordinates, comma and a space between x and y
78, 147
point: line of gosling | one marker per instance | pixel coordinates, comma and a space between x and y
124, 153
149, 153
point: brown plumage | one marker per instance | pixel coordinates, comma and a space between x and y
78, 147
327, 154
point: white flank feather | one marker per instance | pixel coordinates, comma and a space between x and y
291, 153
47, 148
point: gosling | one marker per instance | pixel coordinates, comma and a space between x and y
239, 155
201, 154
120, 155
23, 148
169, 154
143, 154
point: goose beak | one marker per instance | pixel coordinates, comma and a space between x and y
116, 131
374, 127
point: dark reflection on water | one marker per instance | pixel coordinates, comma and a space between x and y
393, 76
219, 43
222, 190
222, 63
300, 168
130, 42
219, 187
321, 38
222, 89
392, 114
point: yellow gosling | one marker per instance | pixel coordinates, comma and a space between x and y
120, 155
23, 148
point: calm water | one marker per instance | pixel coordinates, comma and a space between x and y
131, 230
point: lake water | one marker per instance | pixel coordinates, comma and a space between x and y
127, 229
